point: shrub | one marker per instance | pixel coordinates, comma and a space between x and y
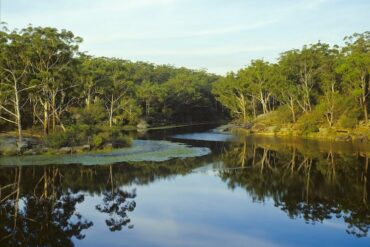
57, 139
97, 141
80, 134
73, 136
310, 122
91, 116
121, 141
117, 138
280, 116
100, 139
349, 119
283, 115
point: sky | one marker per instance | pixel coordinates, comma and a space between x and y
217, 35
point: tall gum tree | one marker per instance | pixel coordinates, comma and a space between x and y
301, 67
14, 66
258, 77
355, 68
53, 51
329, 82
116, 88
232, 93
286, 91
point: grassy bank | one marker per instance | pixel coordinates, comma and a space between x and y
359, 134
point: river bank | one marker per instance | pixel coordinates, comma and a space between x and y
35, 143
359, 134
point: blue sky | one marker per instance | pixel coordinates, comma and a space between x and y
217, 35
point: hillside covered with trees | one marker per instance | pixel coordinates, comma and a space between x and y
317, 88
49, 86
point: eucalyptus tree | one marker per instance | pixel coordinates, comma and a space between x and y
116, 88
148, 92
91, 76
259, 78
301, 67
53, 51
14, 67
355, 68
232, 93
285, 91
330, 86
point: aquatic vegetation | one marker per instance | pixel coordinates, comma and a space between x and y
141, 150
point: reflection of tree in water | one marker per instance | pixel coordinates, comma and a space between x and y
116, 203
304, 182
38, 203
39, 213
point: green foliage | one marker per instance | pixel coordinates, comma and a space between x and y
231, 93
75, 135
280, 116
113, 136
58, 139
310, 122
65, 88
99, 139
349, 119
327, 85
121, 140
92, 115
80, 134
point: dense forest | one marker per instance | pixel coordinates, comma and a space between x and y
49, 86
317, 86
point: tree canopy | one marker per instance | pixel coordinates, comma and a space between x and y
328, 84
47, 83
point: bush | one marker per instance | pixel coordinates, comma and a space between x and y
73, 136
310, 122
280, 116
91, 116
57, 140
349, 119
97, 141
121, 141
117, 138
100, 139
80, 134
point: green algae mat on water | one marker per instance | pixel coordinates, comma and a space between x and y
141, 150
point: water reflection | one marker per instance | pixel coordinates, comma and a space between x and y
38, 204
58, 205
116, 203
39, 213
304, 179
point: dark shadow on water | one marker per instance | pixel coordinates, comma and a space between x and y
306, 179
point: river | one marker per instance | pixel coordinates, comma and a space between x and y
191, 186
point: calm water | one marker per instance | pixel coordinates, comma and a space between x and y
247, 192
